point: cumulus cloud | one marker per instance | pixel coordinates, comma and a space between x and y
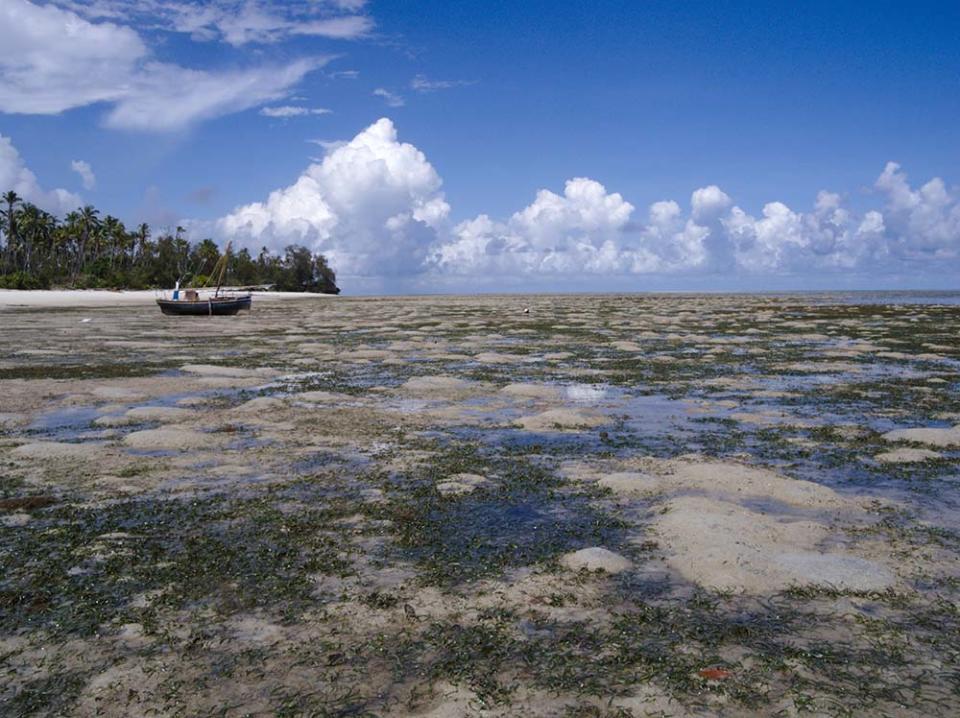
286, 111
52, 60
373, 206
921, 223
87, 177
14, 175
585, 230
392, 99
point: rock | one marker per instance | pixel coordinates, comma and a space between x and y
596, 559
907, 456
931, 436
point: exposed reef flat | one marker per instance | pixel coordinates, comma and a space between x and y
604, 506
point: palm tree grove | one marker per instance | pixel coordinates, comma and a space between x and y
86, 250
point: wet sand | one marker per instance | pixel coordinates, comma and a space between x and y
494, 506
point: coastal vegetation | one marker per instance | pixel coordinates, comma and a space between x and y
87, 250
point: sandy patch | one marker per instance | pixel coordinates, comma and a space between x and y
55, 450
171, 439
118, 394
630, 483
596, 558
437, 384
140, 414
538, 392
324, 397
730, 481
499, 358
461, 484
907, 456
265, 404
930, 436
212, 370
14, 520
728, 547
9, 420
562, 420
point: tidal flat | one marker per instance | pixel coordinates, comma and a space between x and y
580, 506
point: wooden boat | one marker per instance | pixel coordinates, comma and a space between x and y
193, 305
199, 307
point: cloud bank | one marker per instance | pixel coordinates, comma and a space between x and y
375, 206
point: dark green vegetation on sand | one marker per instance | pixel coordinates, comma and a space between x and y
321, 551
87, 251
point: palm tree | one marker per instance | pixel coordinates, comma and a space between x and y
31, 230
88, 225
12, 199
143, 235
114, 233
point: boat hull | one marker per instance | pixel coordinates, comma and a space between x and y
222, 306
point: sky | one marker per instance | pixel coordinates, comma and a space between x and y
427, 146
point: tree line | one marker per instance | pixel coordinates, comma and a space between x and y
85, 250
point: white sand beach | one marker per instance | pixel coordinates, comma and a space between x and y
109, 297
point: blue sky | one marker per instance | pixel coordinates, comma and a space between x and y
443, 123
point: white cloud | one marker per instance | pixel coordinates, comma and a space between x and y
52, 60
373, 205
392, 99
171, 98
708, 203
586, 230
236, 22
14, 175
285, 111
87, 176
921, 223
422, 84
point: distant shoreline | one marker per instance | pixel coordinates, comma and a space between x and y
13, 298
110, 297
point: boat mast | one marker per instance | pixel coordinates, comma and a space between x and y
223, 269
